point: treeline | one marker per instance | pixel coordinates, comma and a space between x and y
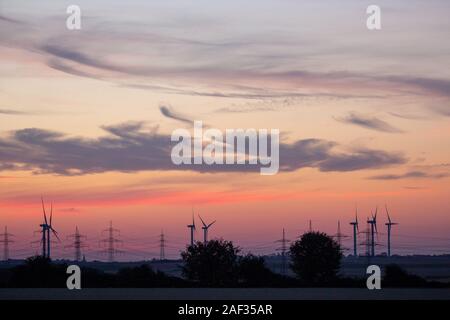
315, 257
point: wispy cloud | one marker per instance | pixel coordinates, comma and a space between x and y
368, 122
408, 116
413, 188
209, 61
12, 112
59, 65
9, 20
410, 175
71, 209
170, 113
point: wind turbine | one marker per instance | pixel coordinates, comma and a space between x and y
46, 228
192, 227
355, 232
373, 231
205, 229
389, 225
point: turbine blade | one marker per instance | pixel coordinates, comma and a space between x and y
204, 224
51, 212
387, 212
43, 209
209, 225
55, 233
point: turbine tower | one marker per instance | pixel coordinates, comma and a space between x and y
355, 234
192, 228
373, 230
389, 225
205, 229
47, 230
6, 241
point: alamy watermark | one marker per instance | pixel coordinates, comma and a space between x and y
74, 280
373, 21
73, 21
234, 147
374, 280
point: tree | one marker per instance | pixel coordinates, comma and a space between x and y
253, 271
212, 264
39, 272
316, 258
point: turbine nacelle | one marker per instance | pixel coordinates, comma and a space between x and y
205, 228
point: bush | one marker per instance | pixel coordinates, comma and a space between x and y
396, 276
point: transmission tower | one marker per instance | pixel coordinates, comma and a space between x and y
284, 242
367, 243
77, 243
6, 241
111, 242
339, 236
162, 246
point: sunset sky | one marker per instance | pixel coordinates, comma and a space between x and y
86, 117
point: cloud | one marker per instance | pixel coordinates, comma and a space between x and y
407, 116
131, 147
67, 53
9, 20
413, 188
361, 159
59, 65
71, 209
410, 175
343, 85
12, 112
198, 61
169, 113
438, 86
367, 122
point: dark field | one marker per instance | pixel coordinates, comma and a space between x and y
228, 294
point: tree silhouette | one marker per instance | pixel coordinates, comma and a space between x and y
253, 272
316, 258
39, 272
212, 264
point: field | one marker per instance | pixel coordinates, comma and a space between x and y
228, 294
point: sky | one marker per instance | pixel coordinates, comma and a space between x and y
86, 118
